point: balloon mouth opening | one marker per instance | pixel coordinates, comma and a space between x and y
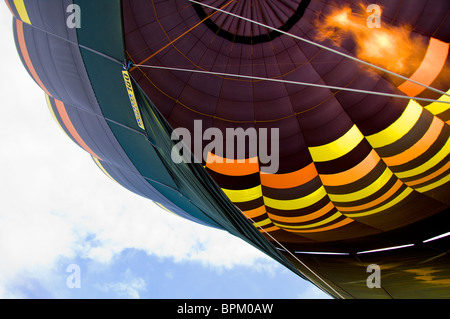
231, 27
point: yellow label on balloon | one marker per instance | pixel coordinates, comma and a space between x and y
134, 105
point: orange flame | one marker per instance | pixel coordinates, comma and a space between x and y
390, 47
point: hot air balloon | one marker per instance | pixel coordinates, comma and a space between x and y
337, 164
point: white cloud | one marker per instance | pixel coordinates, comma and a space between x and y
130, 287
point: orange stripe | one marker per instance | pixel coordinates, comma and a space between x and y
232, 167
429, 177
266, 230
420, 147
429, 69
375, 202
26, 57
353, 174
289, 180
334, 226
10, 8
300, 219
254, 212
68, 123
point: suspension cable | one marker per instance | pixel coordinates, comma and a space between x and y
183, 34
323, 47
251, 77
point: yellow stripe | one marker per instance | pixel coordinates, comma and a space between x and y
383, 198
132, 97
399, 128
436, 184
297, 203
365, 192
243, 195
103, 169
324, 221
440, 106
20, 6
263, 223
396, 200
425, 179
337, 148
165, 208
420, 147
428, 165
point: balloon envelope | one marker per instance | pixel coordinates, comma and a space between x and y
349, 103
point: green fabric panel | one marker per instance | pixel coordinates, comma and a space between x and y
107, 80
142, 154
104, 35
181, 201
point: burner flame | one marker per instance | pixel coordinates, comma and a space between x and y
394, 48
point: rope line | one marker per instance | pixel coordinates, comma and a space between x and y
292, 254
183, 34
323, 47
331, 87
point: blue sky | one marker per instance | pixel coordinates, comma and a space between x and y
59, 209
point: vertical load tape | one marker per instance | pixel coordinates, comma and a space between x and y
134, 105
